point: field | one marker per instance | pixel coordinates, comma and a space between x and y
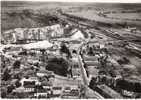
126, 15
26, 14
13, 15
133, 19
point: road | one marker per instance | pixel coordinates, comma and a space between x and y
89, 93
83, 71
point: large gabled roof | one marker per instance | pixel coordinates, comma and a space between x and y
38, 45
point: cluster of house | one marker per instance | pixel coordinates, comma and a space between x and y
104, 84
125, 88
46, 89
41, 85
132, 29
42, 33
35, 86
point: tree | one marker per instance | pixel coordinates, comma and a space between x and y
16, 64
10, 88
74, 51
17, 76
92, 83
58, 65
64, 49
6, 75
22, 95
103, 60
90, 52
24, 52
123, 60
18, 84
3, 93
82, 91
27, 12
43, 51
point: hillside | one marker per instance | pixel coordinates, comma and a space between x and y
13, 14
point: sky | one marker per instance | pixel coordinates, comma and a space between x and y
101, 1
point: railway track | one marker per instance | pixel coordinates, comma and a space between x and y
87, 23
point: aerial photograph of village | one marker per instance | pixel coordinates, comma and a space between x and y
70, 50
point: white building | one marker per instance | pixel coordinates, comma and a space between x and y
29, 88
57, 90
77, 35
42, 73
57, 30
42, 94
29, 80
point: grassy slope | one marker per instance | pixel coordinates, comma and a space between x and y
19, 19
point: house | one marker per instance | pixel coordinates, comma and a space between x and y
131, 29
42, 73
129, 85
20, 33
41, 93
68, 96
75, 59
77, 35
57, 30
42, 34
47, 85
67, 89
29, 86
8, 36
107, 92
38, 45
74, 47
74, 87
127, 93
5, 83
32, 34
57, 90
19, 90
31, 79
92, 63
76, 72
13, 81
75, 92
71, 92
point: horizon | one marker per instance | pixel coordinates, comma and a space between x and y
79, 1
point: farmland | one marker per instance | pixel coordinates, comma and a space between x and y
107, 16
126, 15
13, 15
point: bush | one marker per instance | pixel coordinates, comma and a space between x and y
18, 84
3, 94
123, 60
17, 64
6, 76
64, 49
10, 89
27, 12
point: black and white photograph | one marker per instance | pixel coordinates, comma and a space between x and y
70, 49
